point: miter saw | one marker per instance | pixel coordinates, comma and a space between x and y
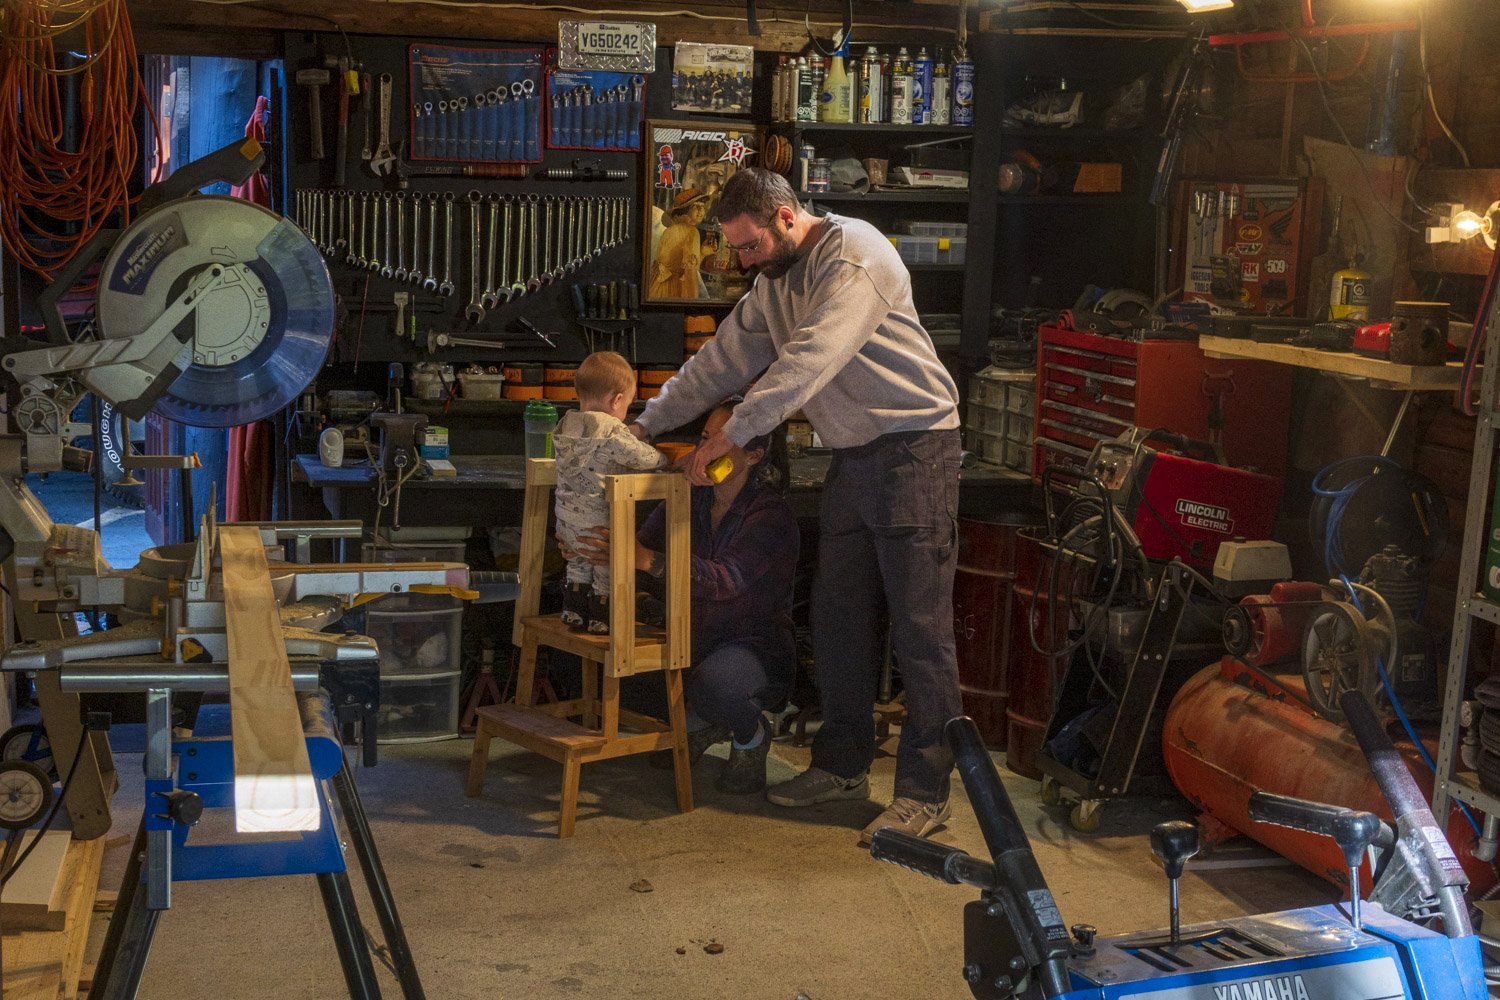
215, 312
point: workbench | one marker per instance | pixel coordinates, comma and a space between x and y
488, 490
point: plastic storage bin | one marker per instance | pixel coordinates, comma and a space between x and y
933, 228
917, 249
419, 708
419, 637
950, 249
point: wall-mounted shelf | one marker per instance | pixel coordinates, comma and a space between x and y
883, 128
924, 194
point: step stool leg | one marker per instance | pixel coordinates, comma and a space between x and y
526, 669
677, 719
569, 803
590, 694
479, 759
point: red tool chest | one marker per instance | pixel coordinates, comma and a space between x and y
1091, 386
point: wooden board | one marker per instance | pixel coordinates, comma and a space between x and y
45, 965
274, 789
34, 898
1378, 372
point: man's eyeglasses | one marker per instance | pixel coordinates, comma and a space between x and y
754, 245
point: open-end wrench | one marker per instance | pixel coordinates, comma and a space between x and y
383, 161
401, 271
533, 276
474, 311
445, 287
488, 298
431, 281
387, 262
517, 286
415, 276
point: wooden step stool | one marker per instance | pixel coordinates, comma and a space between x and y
630, 648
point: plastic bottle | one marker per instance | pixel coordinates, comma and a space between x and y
963, 90
805, 91
941, 106
872, 92
901, 88
1349, 296
540, 419
921, 88
778, 90
836, 101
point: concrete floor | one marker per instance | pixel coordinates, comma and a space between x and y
496, 906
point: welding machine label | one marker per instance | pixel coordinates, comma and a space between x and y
1206, 515
1374, 979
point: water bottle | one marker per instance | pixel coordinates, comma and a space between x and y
541, 420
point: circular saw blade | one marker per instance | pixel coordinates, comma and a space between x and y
258, 339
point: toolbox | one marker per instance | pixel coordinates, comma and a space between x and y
1092, 386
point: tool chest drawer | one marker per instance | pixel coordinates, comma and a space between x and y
1091, 387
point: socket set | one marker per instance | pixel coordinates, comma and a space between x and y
476, 105
509, 246
595, 110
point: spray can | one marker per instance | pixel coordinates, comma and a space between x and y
941, 93
778, 90
818, 69
872, 91
805, 155
805, 91
963, 90
1349, 294
921, 88
885, 86
901, 88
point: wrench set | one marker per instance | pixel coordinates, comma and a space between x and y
516, 244
499, 124
476, 105
595, 114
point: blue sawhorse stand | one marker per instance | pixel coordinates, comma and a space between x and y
164, 851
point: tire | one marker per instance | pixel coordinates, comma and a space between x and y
25, 794
17, 744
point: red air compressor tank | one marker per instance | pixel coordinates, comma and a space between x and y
1224, 739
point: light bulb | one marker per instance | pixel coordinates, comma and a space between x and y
1467, 224
1203, 6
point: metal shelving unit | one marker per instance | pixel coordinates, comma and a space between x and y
916, 194
1450, 782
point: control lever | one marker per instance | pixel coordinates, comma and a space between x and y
1173, 842
938, 861
1352, 829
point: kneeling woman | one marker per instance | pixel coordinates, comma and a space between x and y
745, 543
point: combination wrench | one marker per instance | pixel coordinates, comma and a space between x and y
488, 298
474, 311
445, 287
401, 271
430, 283
388, 268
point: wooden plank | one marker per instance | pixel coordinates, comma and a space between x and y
679, 572
619, 660
44, 965
80, 911
541, 476
1382, 373
274, 789
35, 897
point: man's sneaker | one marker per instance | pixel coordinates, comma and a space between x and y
816, 785
698, 740
745, 771
909, 816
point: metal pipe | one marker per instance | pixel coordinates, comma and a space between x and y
1489, 841
103, 676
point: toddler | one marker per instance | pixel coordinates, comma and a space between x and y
589, 444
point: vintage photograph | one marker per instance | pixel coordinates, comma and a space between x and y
687, 260
713, 78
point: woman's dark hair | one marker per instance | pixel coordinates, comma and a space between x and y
774, 471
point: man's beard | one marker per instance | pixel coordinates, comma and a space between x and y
784, 255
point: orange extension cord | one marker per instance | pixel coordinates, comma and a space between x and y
54, 199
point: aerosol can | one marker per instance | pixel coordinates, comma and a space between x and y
921, 88
872, 90
963, 89
941, 93
805, 93
901, 88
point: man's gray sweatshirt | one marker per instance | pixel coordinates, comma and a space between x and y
837, 337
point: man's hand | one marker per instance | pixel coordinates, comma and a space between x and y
637, 430
696, 463
592, 544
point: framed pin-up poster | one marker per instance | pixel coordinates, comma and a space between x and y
687, 164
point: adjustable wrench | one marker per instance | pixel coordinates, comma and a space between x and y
383, 161
489, 299
474, 311
431, 282
445, 287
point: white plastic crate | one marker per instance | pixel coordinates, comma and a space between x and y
917, 249
1020, 397
987, 390
986, 419
1018, 455
987, 447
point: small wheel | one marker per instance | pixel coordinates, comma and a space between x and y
25, 794
1085, 816
1051, 791
28, 742
1337, 656
1237, 630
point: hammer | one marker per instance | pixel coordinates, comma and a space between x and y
313, 80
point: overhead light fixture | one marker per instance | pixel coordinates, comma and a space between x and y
1204, 6
1459, 224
